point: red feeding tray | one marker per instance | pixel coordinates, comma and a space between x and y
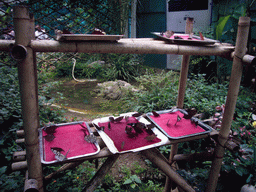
167, 123
184, 39
70, 138
118, 140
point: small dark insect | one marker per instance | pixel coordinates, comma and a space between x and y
57, 149
98, 127
155, 114
136, 114
177, 37
49, 137
191, 112
58, 155
126, 118
50, 132
129, 132
178, 119
168, 122
111, 119
194, 122
118, 119
150, 137
122, 145
137, 129
149, 131
109, 126
128, 129
50, 129
149, 126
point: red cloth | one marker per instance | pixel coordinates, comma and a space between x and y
68, 137
182, 128
118, 135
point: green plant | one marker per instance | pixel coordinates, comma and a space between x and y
123, 67
238, 11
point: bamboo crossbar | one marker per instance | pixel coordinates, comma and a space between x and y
135, 46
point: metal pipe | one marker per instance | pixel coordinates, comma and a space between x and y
24, 32
235, 79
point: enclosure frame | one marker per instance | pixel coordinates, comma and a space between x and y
24, 47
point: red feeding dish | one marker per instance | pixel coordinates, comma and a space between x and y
116, 131
175, 126
70, 138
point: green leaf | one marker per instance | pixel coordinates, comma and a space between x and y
127, 181
220, 27
136, 178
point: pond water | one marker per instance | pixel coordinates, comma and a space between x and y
81, 102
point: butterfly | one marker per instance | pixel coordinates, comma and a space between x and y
116, 120
155, 114
98, 127
50, 130
190, 113
58, 155
90, 138
150, 137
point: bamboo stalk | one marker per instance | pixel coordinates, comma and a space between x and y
24, 33
20, 133
135, 46
19, 156
162, 163
236, 74
95, 181
19, 165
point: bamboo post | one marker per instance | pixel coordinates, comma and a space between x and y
24, 33
95, 181
181, 94
236, 74
162, 163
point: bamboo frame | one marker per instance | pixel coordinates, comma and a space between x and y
236, 75
24, 30
27, 73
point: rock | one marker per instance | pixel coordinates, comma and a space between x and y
248, 188
114, 90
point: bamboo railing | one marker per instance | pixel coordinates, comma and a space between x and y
24, 48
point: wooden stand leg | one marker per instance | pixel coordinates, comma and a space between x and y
95, 181
162, 163
236, 75
27, 72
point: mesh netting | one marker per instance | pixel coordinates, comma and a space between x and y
52, 17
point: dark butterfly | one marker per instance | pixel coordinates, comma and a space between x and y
177, 37
178, 119
58, 155
155, 114
98, 127
109, 126
190, 113
118, 119
50, 132
50, 129
49, 137
194, 122
136, 114
58, 149
130, 133
150, 137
